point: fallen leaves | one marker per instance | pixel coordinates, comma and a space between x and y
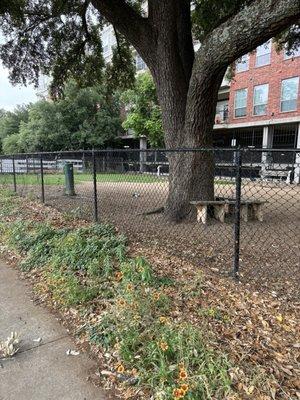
9, 347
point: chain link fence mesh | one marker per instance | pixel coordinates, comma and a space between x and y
256, 200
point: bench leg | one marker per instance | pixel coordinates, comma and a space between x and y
244, 212
257, 212
202, 214
219, 212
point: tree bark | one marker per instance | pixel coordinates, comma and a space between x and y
191, 175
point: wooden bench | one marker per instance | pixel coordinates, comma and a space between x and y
222, 207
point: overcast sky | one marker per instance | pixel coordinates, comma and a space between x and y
11, 96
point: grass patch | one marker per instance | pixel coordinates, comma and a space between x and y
150, 346
58, 179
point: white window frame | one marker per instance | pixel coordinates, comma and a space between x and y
296, 96
235, 108
267, 46
242, 64
260, 104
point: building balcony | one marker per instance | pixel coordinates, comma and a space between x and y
221, 114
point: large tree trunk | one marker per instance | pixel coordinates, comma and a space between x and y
191, 175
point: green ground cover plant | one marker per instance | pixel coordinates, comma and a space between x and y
165, 356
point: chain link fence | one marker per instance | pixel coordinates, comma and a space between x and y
244, 219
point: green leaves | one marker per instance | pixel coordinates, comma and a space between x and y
57, 38
85, 118
120, 72
144, 114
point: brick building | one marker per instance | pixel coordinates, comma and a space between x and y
260, 107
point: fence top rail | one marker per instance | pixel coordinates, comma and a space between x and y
175, 150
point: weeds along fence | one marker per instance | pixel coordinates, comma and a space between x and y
251, 226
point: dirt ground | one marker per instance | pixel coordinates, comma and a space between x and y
269, 257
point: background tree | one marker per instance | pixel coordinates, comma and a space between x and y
10, 121
143, 114
85, 118
67, 33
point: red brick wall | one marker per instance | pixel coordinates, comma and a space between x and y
272, 74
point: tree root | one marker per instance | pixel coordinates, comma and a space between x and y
156, 211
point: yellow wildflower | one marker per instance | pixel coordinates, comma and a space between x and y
163, 320
129, 287
164, 346
121, 302
156, 296
120, 368
183, 375
184, 387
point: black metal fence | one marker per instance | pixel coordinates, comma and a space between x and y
250, 226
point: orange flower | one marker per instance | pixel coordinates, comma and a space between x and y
119, 276
164, 346
183, 375
184, 387
120, 368
178, 393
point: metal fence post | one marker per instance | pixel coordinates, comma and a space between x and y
14, 173
237, 216
42, 180
95, 187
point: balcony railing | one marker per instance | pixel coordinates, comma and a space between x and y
221, 115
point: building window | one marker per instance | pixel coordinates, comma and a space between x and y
240, 103
289, 94
263, 54
291, 53
242, 64
140, 63
108, 42
260, 99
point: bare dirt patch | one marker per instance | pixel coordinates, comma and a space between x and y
269, 250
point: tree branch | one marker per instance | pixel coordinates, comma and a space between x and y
133, 26
185, 39
83, 18
252, 26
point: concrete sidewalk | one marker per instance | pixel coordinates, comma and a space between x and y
39, 371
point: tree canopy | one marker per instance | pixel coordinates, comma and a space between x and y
63, 38
85, 118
